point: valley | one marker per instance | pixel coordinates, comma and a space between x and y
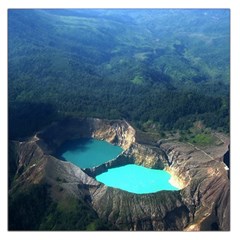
149, 87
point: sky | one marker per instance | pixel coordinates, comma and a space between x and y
233, 5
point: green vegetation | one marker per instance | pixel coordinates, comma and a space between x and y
26, 209
198, 138
198, 135
161, 70
119, 64
27, 117
34, 209
138, 80
202, 139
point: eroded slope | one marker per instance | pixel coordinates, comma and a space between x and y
201, 204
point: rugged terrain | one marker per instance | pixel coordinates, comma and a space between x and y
200, 173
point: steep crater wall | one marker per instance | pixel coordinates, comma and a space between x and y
116, 132
201, 204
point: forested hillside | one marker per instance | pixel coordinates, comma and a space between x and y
160, 69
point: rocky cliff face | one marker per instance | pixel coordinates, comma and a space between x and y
201, 204
205, 176
116, 132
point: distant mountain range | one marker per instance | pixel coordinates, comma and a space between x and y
122, 63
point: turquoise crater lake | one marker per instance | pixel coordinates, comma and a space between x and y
137, 179
88, 152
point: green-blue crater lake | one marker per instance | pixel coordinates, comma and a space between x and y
88, 152
137, 179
